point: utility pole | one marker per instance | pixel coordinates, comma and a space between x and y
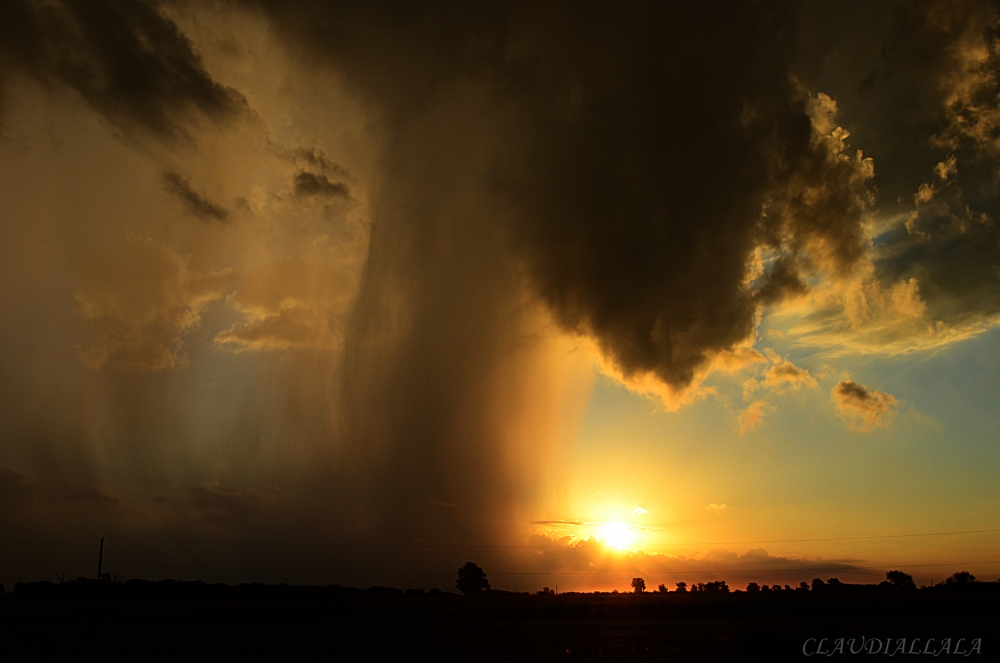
100, 560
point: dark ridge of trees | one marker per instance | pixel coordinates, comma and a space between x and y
959, 579
470, 577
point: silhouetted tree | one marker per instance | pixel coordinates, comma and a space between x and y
682, 587
753, 588
960, 578
662, 588
715, 587
818, 584
765, 588
471, 579
899, 580
834, 582
638, 585
803, 587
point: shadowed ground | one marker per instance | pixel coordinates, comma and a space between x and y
183, 620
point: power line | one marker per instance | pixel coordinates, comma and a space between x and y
446, 546
44, 566
26, 543
549, 573
502, 546
837, 538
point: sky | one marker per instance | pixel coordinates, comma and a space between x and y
357, 292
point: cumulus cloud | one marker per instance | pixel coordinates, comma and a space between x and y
137, 300
290, 304
862, 407
194, 203
227, 509
29, 507
786, 374
715, 508
781, 376
927, 112
751, 418
126, 59
639, 511
306, 184
314, 158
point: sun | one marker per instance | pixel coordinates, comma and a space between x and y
616, 534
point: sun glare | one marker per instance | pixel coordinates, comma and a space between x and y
616, 534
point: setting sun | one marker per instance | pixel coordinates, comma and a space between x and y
616, 534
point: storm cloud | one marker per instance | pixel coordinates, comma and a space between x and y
403, 344
194, 202
124, 58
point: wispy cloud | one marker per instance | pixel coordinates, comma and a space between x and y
194, 203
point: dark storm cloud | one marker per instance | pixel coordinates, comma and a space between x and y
623, 165
314, 158
642, 144
308, 184
123, 57
28, 507
952, 242
194, 202
917, 84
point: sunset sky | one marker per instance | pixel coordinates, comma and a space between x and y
694, 291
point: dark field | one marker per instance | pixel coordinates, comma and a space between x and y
185, 621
